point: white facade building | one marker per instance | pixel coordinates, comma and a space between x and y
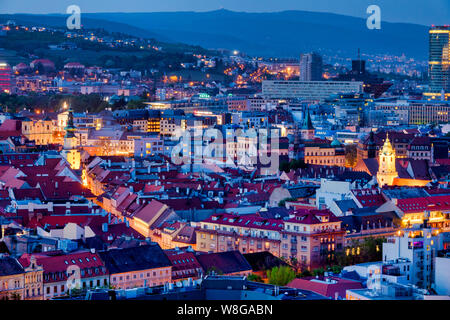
442, 275
419, 246
308, 90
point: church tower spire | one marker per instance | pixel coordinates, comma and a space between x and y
386, 164
307, 129
70, 151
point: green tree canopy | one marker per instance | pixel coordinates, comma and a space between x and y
280, 276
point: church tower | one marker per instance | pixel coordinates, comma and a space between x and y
386, 164
296, 144
70, 151
307, 130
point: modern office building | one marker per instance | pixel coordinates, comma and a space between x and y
416, 112
439, 63
311, 67
308, 90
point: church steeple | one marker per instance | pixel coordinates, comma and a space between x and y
70, 128
307, 128
386, 164
70, 151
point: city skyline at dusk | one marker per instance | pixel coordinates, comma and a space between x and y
225, 159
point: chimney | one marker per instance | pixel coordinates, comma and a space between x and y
104, 227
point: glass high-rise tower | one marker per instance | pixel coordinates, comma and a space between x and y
439, 63
311, 66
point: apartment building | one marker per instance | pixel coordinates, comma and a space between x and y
419, 247
309, 237
135, 267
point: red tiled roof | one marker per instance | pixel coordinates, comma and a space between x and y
369, 197
306, 216
412, 205
150, 211
61, 220
337, 285
55, 267
246, 221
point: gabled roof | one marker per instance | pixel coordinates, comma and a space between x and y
10, 266
134, 259
152, 212
436, 203
225, 262
54, 221
55, 264
262, 261
305, 216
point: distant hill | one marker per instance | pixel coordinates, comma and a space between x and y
58, 20
286, 33
283, 34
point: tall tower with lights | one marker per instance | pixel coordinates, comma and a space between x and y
386, 164
70, 151
439, 63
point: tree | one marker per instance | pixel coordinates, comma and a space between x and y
255, 278
336, 269
368, 250
214, 271
318, 272
350, 155
281, 276
282, 203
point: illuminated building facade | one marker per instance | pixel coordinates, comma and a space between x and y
42, 132
329, 154
311, 238
439, 63
5, 78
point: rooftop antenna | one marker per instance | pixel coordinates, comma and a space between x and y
359, 60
